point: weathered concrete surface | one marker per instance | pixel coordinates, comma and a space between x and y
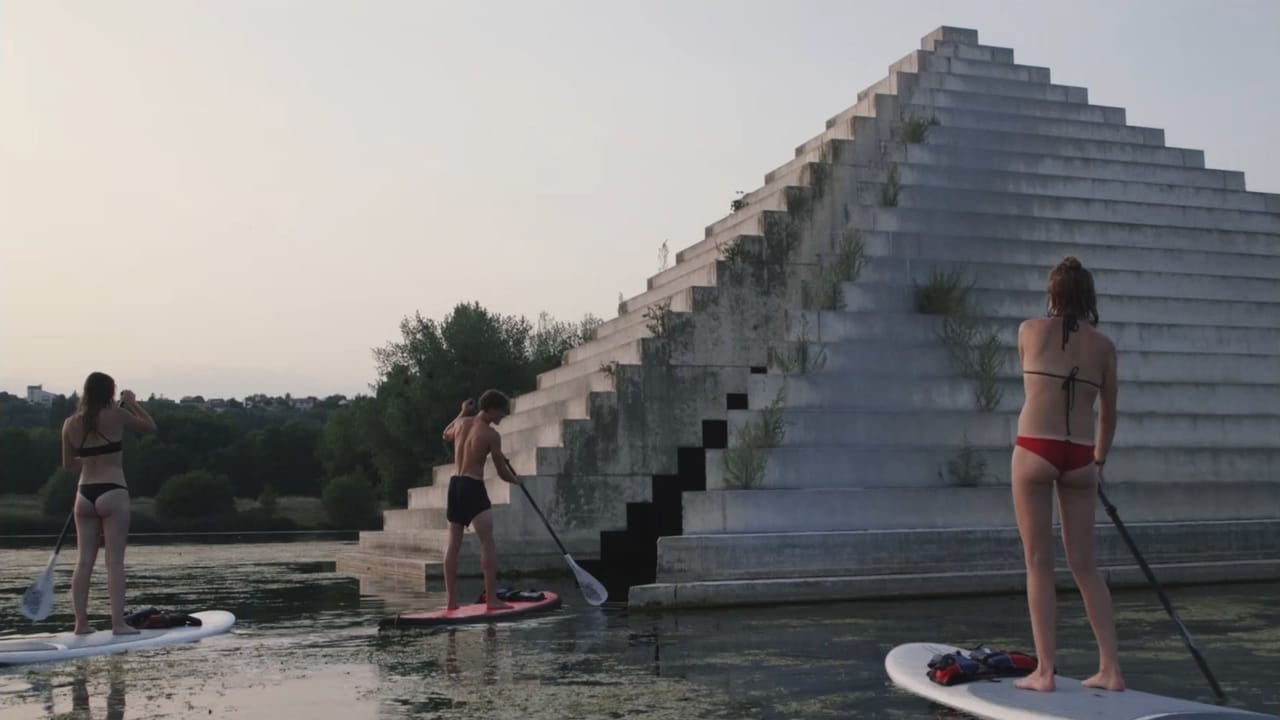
727, 593
1011, 173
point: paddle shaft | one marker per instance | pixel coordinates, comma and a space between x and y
1164, 600
63, 535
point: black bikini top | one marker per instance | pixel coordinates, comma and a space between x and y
1069, 324
95, 450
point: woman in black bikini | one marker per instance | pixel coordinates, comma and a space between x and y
1067, 365
91, 446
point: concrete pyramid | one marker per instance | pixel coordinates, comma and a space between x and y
776, 418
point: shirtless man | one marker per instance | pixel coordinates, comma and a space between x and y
474, 440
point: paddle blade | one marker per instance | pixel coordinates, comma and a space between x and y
37, 601
592, 590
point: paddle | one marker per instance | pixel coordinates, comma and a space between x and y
37, 601
592, 590
1168, 607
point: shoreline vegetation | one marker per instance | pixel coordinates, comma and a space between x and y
24, 515
283, 463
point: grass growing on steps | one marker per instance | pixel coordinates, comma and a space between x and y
748, 452
967, 468
974, 348
827, 291
916, 129
658, 318
801, 356
889, 191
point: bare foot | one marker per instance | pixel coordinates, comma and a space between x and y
499, 606
83, 630
451, 607
1108, 680
126, 630
1038, 681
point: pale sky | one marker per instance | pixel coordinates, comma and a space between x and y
226, 197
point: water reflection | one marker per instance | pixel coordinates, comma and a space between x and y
306, 644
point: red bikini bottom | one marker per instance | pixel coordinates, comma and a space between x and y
1062, 454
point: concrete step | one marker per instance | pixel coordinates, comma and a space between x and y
1009, 303
625, 354
568, 389
817, 466
1060, 146
1029, 124
1142, 282
570, 407
436, 495
878, 552
773, 196
635, 330
776, 591
1097, 168
410, 519
699, 264
985, 53
681, 301
929, 428
929, 249
1004, 87
847, 391
843, 509
1077, 231
931, 359
930, 97
1149, 337
934, 62
379, 564
525, 462
1064, 186
1087, 209
696, 270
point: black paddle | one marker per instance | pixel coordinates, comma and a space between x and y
1155, 584
592, 590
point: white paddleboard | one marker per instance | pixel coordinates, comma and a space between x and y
1000, 700
21, 649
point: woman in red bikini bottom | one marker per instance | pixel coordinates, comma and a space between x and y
1067, 367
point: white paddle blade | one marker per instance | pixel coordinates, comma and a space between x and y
37, 601
592, 590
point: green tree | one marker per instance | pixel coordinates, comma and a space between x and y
27, 457
198, 494
350, 502
58, 493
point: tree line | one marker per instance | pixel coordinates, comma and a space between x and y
377, 445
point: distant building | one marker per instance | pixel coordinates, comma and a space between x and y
37, 395
305, 403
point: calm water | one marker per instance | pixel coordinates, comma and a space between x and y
307, 646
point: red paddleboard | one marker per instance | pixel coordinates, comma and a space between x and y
474, 613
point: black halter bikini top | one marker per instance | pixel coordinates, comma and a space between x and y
1069, 324
95, 450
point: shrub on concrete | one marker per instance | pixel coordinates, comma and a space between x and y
967, 468
58, 493
197, 494
745, 459
350, 502
916, 129
945, 293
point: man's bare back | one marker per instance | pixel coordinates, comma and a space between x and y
472, 442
